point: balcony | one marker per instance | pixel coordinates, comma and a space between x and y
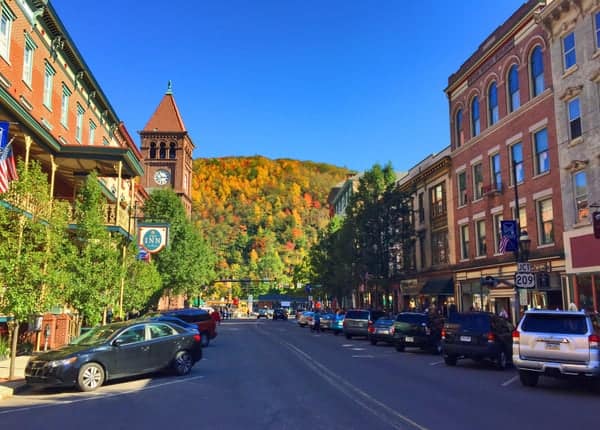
491, 190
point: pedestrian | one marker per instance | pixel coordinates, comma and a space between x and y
503, 313
317, 321
216, 317
572, 307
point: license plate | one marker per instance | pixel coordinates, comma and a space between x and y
409, 339
553, 346
381, 331
465, 338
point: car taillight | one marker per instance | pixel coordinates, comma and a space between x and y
197, 337
516, 336
443, 333
345, 323
427, 331
594, 340
392, 330
371, 329
370, 323
491, 337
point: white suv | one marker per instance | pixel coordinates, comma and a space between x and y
556, 343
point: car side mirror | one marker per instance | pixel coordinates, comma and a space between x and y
118, 342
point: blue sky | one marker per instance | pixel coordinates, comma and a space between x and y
345, 82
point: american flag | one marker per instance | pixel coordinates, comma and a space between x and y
8, 169
504, 241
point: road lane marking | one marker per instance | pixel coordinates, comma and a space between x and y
510, 381
435, 363
347, 345
388, 415
363, 356
358, 349
95, 396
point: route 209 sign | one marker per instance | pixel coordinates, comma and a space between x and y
153, 237
525, 280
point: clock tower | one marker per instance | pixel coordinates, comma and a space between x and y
167, 150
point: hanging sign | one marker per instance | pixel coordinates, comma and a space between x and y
153, 237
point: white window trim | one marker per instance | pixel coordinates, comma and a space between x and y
49, 74
5, 44
28, 68
79, 123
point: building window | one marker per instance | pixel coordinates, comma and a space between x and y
28, 60
152, 149
64, 106
79, 123
460, 137
92, 135
597, 21
496, 172
574, 118
477, 181
464, 242
537, 71
581, 196
521, 217
436, 199
439, 247
569, 57
49, 73
105, 141
516, 155
475, 125
162, 152
421, 208
493, 104
542, 156
462, 188
6, 20
172, 150
498, 218
480, 227
422, 252
545, 222
514, 100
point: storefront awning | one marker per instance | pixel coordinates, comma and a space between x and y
438, 287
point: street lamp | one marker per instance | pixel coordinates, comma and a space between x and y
524, 244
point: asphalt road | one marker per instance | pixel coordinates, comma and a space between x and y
274, 375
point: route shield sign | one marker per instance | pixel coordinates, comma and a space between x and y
525, 280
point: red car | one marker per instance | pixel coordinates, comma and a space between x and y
206, 324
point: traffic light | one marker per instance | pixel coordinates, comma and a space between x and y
596, 217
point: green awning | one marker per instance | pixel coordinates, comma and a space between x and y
438, 287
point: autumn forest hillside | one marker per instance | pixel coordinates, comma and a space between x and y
262, 215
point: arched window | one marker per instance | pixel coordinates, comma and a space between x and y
493, 104
537, 71
460, 137
163, 150
152, 149
475, 125
513, 89
172, 150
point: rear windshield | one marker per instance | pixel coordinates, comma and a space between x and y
357, 315
568, 324
377, 314
193, 317
473, 322
411, 318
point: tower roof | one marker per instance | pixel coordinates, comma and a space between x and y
166, 117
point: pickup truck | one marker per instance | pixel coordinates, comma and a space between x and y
556, 343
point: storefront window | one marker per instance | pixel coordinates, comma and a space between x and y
584, 289
475, 297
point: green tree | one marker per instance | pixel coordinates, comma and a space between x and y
187, 265
142, 282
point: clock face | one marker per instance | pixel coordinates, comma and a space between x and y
161, 177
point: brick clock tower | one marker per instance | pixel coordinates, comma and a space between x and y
167, 149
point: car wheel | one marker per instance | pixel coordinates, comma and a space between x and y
399, 347
437, 347
91, 376
182, 364
373, 341
450, 360
528, 379
205, 340
501, 360
348, 336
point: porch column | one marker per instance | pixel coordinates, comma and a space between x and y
28, 142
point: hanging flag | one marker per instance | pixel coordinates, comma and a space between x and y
504, 241
8, 169
508, 231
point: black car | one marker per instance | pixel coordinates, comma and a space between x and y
280, 314
115, 351
479, 336
382, 330
418, 330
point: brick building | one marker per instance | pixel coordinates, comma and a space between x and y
502, 116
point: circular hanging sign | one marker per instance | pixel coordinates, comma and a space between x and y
153, 238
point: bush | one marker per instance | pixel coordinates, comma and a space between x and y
4, 348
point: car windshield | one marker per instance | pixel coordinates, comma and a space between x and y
566, 324
473, 322
357, 315
411, 318
96, 335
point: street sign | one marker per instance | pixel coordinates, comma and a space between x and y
525, 280
524, 267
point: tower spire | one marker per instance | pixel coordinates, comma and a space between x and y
169, 87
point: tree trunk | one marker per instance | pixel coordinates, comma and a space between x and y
13, 351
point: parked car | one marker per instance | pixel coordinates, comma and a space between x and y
327, 319
337, 325
418, 330
305, 318
280, 314
115, 351
175, 320
262, 313
382, 330
556, 343
201, 318
358, 321
478, 336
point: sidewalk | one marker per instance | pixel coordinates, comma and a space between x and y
7, 388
